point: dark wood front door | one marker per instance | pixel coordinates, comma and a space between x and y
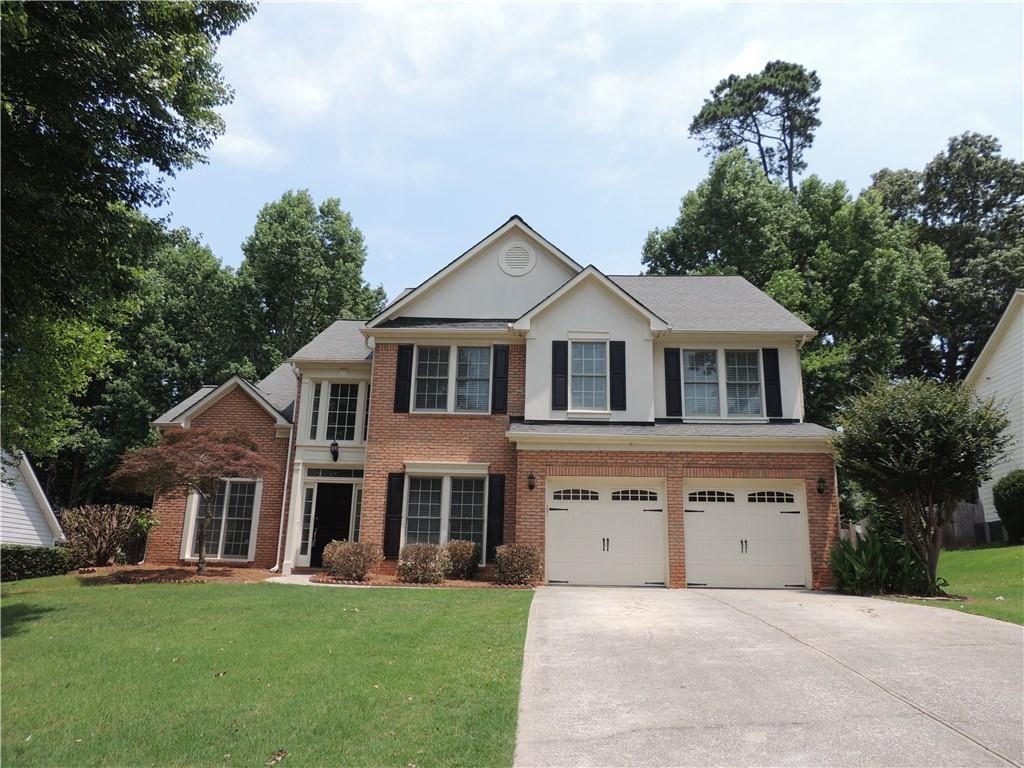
331, 518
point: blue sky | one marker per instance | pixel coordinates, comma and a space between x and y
435, 123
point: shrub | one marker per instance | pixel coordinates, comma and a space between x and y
97, 532
464, 557
877, 564
1008, 495
20, 562
350, 560
516, 564
423, 564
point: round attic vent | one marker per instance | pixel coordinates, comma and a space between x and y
517, 259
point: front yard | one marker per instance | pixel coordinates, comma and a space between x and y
990, 577
233, 674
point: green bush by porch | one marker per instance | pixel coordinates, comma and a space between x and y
228, 674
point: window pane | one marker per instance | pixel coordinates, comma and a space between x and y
589, 382
473, 379
341, 412
423, 515
314, 419
238, 519
466, 517
213, 529
366, 413
700, 382
358, 514
431, 378
742, 383
307, 519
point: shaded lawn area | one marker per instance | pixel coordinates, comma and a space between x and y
981, 575
228, 674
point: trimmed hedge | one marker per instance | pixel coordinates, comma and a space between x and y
516, 564
423, 564
464, 557
1008, 496
18, 561
351, 560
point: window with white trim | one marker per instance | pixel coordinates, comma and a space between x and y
341, 412
357, 513
453, 379
338, 411
423, 511
366, 412
431, 378
439, 509
307, 520
700, 382
743, 382
230, 529
473, 379
466, 515
589, 374
314, 415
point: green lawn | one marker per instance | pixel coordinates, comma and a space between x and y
981, 575
228, 674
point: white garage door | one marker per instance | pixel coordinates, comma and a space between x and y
745, 536
605, 533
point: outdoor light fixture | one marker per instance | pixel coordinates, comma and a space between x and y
531, 481
821, 485
334, 453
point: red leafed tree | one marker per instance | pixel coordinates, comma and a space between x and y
194, 459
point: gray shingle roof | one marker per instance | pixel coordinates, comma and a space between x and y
446, 323
279, 389
185, 404
340, 341
774, 431
719, 303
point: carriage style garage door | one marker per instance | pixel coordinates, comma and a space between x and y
607, 533
745, 535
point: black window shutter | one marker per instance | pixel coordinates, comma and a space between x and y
495, 513
673, 383
393, 515
617, 374
403, 378
499, 380
772, 383
559, 375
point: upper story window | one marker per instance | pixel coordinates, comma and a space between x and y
336, 412
708, 394
462, 388
589, 376
743, 382
700, 382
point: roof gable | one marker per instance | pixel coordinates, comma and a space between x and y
19, 464
1013, 309
207, 396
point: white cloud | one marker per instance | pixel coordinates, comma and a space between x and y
246, 150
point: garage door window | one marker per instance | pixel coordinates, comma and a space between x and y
770, 497
575, 494
634, 494
715, 496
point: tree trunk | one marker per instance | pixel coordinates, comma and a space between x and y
201, 541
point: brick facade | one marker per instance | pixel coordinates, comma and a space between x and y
234, 410
677, 469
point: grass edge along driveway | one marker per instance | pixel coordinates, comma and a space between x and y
228, 674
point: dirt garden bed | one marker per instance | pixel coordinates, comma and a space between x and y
390, 580
143, 574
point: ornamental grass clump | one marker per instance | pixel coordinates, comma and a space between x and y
464, 557
351, 560
516, 564
423, 564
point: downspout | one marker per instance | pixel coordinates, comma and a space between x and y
286, 489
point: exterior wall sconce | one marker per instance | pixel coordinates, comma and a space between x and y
334, 453
821, 485
531, 481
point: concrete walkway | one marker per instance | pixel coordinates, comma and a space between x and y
616, 677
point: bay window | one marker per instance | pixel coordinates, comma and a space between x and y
232, 515
589, 375
464, 387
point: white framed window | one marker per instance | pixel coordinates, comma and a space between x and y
444, 508
743, 382
452, 379
339, 411
233, 519
700, 382
589, 375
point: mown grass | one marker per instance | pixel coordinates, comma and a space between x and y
990, 577
229, 674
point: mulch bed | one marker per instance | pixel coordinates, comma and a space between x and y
383, 580
141, 574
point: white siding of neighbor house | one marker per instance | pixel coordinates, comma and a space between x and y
591, 308
481, 289
1001, 376
22, 521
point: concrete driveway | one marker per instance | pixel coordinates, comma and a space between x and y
617, 677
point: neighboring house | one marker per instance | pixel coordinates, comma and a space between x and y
637, 430
999, 373
25, 514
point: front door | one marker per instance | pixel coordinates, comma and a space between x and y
331, 518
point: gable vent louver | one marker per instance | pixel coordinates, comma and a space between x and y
517, 259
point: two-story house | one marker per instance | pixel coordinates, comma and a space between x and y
638, 430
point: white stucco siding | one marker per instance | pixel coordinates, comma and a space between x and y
22, 520
481, 289
1000, 375
789, 365
591, 312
